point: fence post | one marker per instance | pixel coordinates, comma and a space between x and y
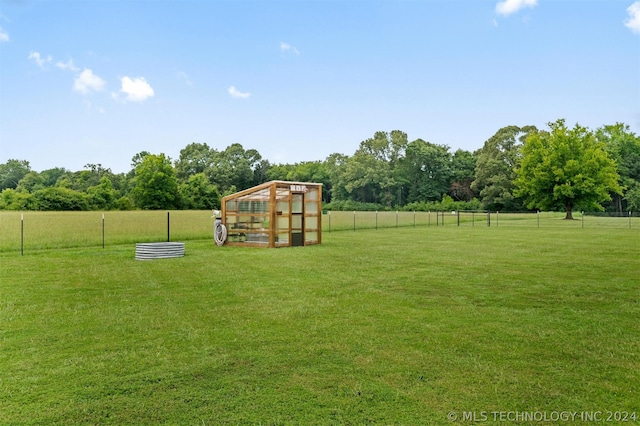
538, 214
168, 228
458, 213
473, 218
429, 218
329, 213
21, 234
354, 220
629, 219
103, 230
488, 217
497, 217
414, 218
396, 219
582, 217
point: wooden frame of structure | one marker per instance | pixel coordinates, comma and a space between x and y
274, 214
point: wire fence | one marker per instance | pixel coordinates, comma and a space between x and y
340, 220
50, 230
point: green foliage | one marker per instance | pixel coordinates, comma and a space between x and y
60, 199
138, 158
234, 167
306, 171
632, 197
368, 179
447, 204
350, 205
50, 177
369, 175
124, 203
334, 165
12, 172
280, 172
623, 146
195, 158
426, 171
156, 186
385, 172
10, 199
102, 196
31, 182
495, 168
565, 168
386, 147
463, 166
198, 194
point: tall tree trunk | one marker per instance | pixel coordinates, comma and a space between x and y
568, 207
618, 200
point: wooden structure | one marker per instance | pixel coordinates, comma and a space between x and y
274, 214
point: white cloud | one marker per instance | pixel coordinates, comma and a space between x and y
286, 47
39, 60
238, 94
4, 36
633, 23
69, 65
137, 89
87, 82
507, 7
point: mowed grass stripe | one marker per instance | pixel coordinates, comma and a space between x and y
388, 326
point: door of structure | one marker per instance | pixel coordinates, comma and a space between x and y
297, 219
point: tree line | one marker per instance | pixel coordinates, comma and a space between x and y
517, 169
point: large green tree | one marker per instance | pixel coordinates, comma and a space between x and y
369, 175
31, 182
233, 168
12, 172
50, 177
624, 147
194, 158
335, 164
565, 168
385, 146
102, 196
366, 178
81, 181
463, 165
155, 185
495, 166
426, 171
198, 193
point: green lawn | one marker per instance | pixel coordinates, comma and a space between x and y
387, 326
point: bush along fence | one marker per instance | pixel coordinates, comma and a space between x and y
50, 230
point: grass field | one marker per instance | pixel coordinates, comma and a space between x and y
388, 326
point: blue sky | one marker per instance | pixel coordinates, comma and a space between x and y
99, 81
